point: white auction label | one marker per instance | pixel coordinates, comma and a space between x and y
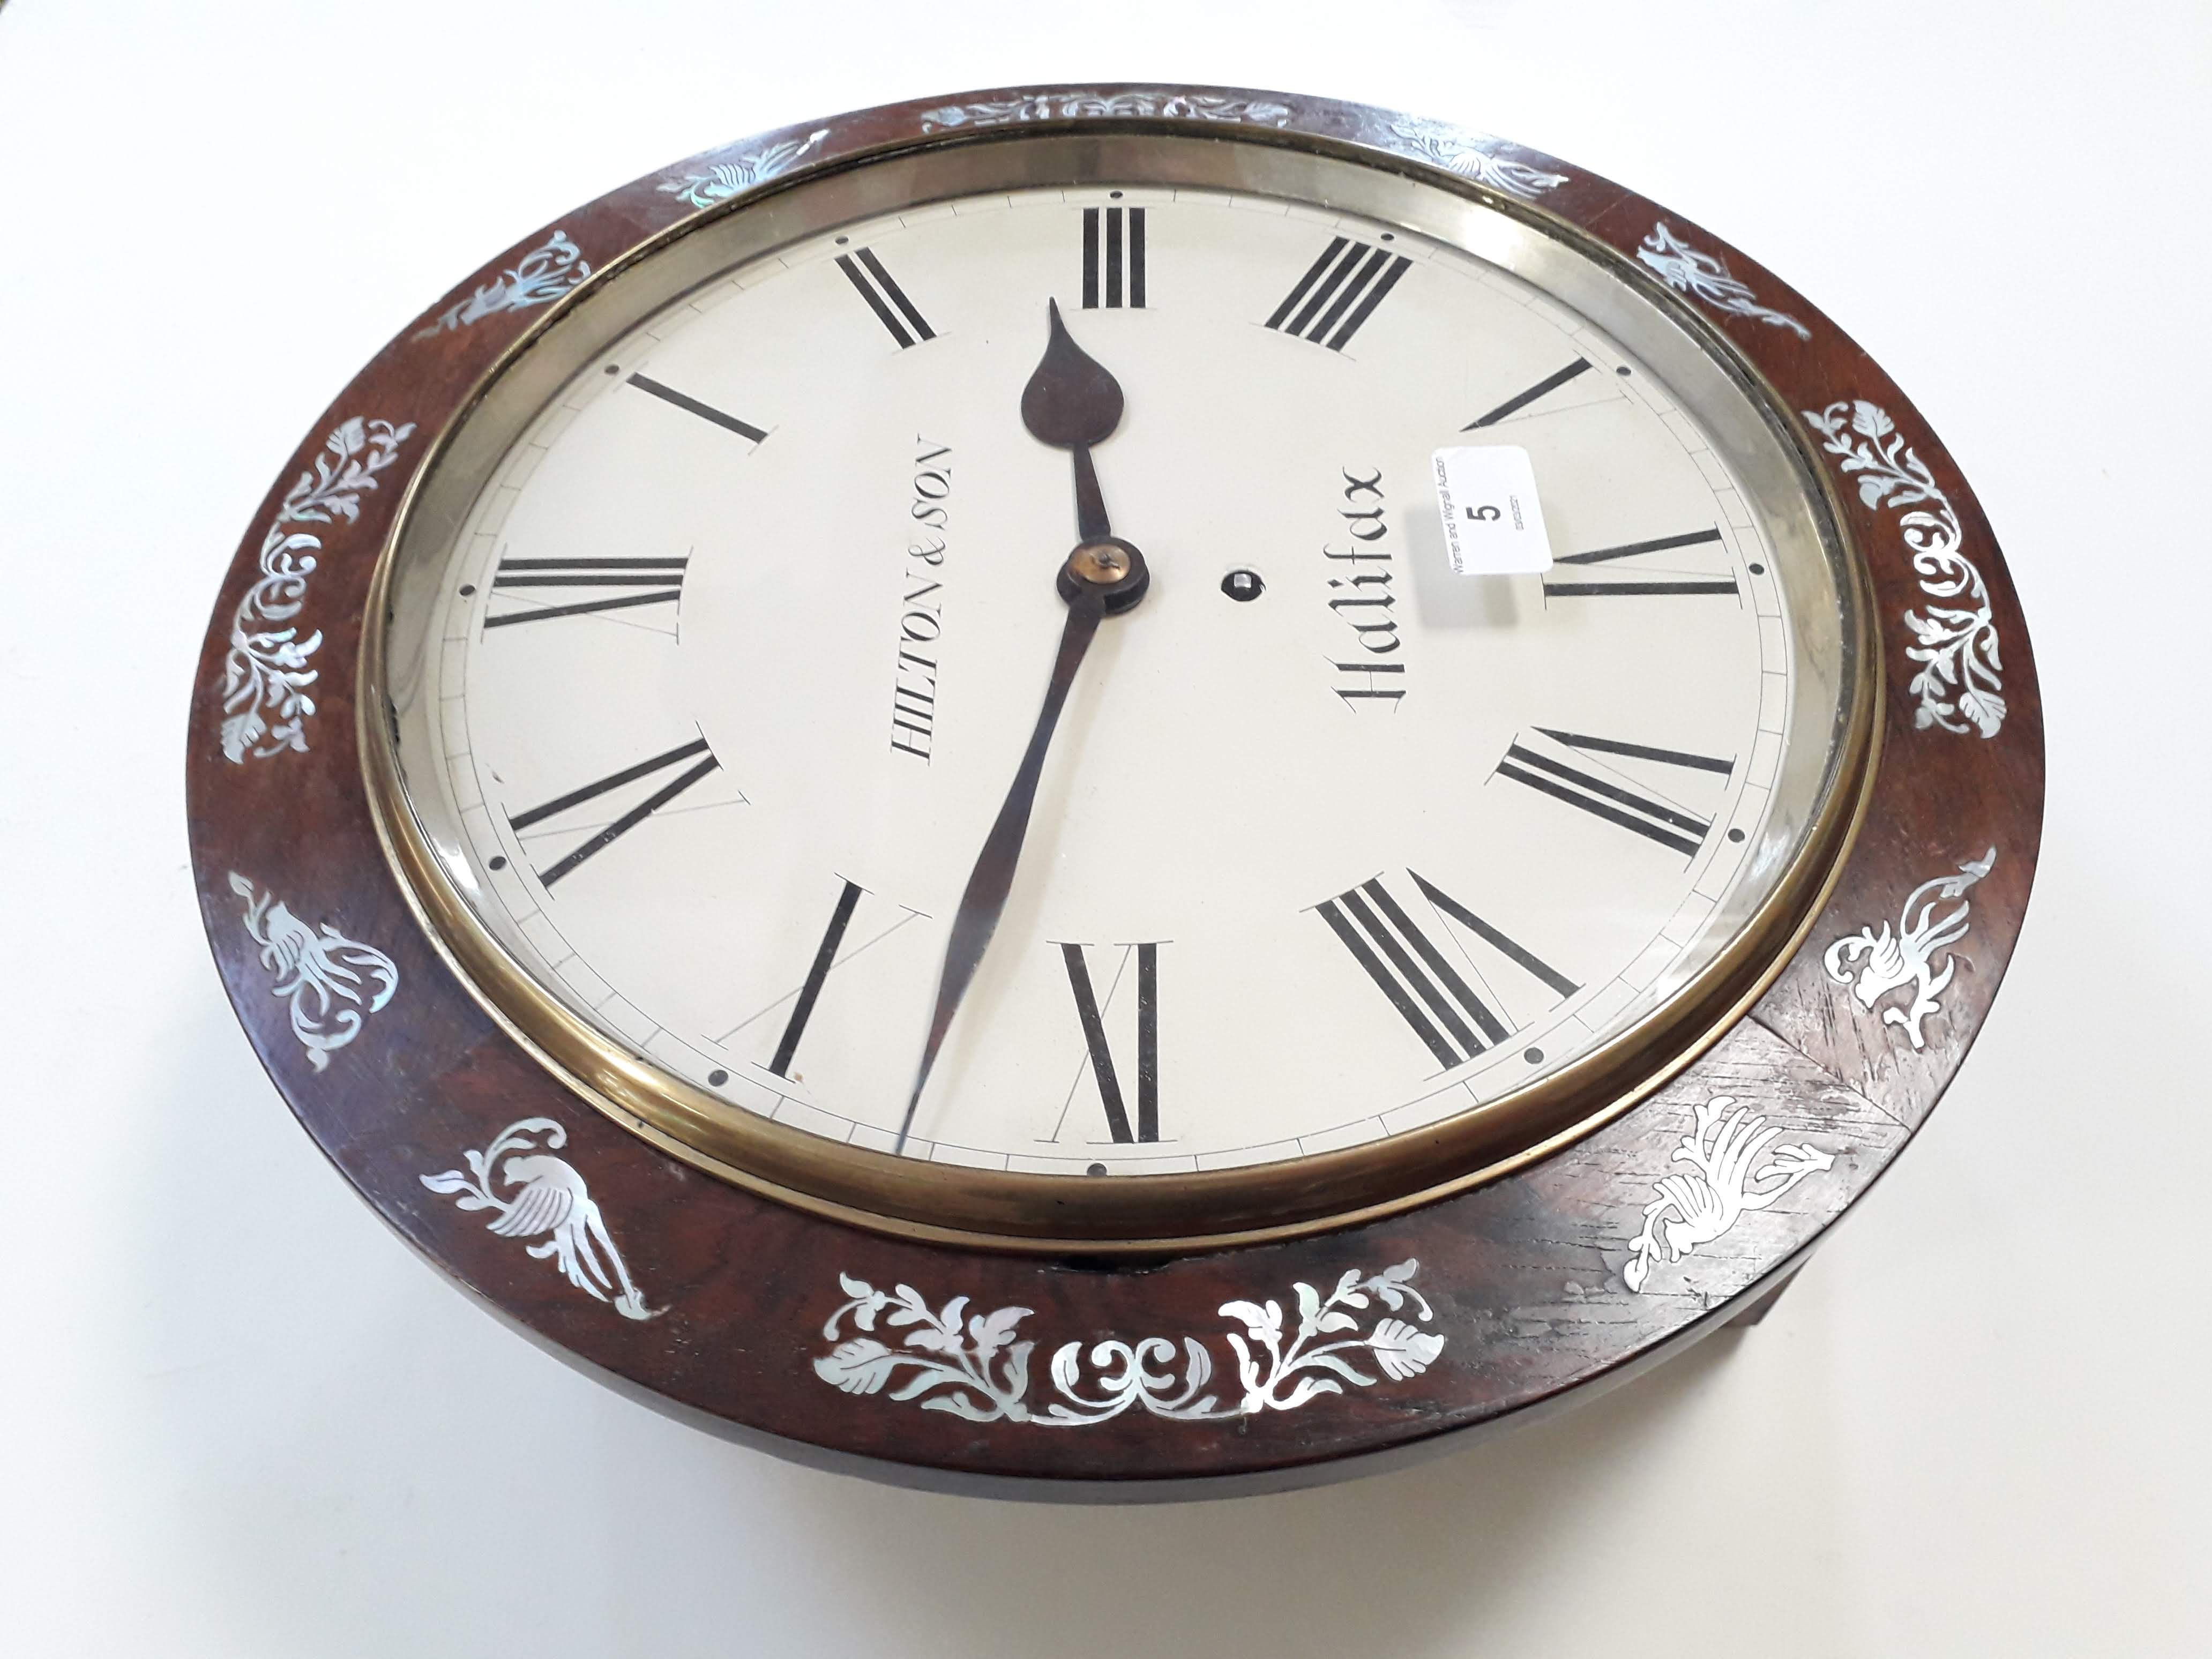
1493, 526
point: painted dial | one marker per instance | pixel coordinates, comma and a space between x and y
738, 649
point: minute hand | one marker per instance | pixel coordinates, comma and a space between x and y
1071, 402
993, 878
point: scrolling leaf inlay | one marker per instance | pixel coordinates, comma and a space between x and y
265, 676
331, 982
1725, 1179
725, 179
972, 1366
1934, 918
539, 277
1703, 276
1959, 684
1476, 159
549, 1197
1082, 105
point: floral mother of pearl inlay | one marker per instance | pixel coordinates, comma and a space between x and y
266, 701
971, 1365
1081, 105
539, 277
331, 982
1475, 158
1959, 684
724, 180
1703, 276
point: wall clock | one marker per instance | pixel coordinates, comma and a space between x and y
1116, 792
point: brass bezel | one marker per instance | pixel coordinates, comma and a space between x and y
1152, 1214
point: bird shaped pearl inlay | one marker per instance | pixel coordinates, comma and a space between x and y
550, 1203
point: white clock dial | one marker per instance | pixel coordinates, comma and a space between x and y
743, 640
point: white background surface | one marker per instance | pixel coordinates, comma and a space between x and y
238, 1418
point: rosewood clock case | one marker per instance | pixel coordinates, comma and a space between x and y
1273, 1363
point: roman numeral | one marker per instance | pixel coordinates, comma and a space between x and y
1562, 588
1408, 967
1102, 1056
691, 405
645, 581
1520, 400
885, 297
1590, 745
1338, 292
1527, 961
1653, 820
628, 820
1113, 247
825, 956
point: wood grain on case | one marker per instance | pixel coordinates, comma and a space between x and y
1525, 1276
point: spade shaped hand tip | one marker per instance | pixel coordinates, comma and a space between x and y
1070, 399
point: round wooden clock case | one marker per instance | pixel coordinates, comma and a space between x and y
915, 1345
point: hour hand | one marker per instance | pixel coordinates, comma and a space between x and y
1072, 402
